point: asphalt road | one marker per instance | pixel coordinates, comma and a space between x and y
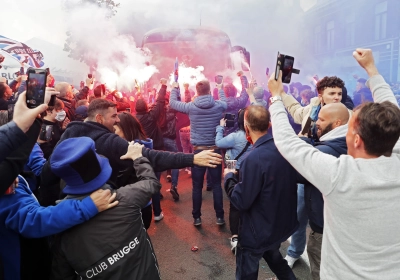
174, 236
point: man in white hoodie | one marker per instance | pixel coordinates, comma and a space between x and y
361, 189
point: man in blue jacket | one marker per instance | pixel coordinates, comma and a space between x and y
204, 114
266, 196
331, 130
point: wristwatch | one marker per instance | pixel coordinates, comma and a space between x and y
275, 98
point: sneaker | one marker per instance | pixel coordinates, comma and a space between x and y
175, 195
197, 222
220, 221
169, 178
290, 260
234, 241
159, 217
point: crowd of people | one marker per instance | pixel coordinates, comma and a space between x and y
77, 204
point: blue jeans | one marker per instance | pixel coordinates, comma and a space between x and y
198, 180
248, 262
170, 146
155, 199
298, 243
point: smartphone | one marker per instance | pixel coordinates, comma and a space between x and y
284, 63
36, 87
218, 79
230, 120
46, 132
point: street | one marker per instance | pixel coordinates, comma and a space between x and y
175, 235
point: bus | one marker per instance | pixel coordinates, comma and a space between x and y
194, 46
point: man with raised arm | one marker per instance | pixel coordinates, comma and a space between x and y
361, 189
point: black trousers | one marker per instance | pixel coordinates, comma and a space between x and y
147, 215
247, 263
234, 217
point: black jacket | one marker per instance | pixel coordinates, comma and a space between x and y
114, 244
15, 161
265, 195
169, 130
48, 147
149, 120
313, 199
112, 147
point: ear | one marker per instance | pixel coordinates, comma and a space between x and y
358, 142
99, 118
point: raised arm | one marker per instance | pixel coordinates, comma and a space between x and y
178, 105
381, 91
299, 154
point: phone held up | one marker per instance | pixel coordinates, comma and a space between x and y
285, 63
230, 120
218, 79
36, 87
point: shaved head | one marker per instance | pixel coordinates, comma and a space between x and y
336, 111
331, 116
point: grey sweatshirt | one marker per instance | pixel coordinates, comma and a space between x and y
362, 200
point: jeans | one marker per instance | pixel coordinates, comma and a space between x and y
298, 243
247, 264
314, 253
155, 199
198, 180
170, 146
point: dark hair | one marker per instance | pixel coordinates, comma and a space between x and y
131, 127
203, 87
99, 90
58, 104
378, 125
257, 118
230, 90
3, 88
98, 105
329, 82
240, 119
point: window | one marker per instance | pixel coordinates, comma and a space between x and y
317, 39
330, 33
350, 29
380, 20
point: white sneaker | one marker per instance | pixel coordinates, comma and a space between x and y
234, 241
290, 260
159, 218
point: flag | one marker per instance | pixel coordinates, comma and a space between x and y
21, 52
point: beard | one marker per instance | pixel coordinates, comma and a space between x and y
325, 130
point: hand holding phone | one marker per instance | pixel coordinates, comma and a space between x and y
36, 87
285, 63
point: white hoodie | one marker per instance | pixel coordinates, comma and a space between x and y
362, 200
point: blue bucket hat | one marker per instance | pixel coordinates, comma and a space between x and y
75, 161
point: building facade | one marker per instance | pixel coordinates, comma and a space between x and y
337, 27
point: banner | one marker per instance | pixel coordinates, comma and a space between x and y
21, 52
